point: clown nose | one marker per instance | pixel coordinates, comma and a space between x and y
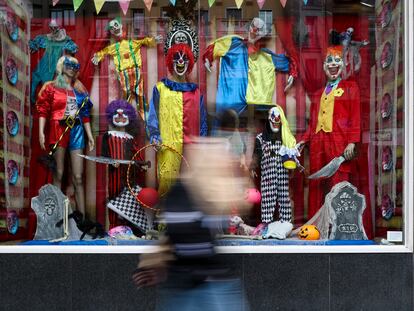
148, 196
253, 196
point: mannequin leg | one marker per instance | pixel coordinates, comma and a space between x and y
77, 179
59, 156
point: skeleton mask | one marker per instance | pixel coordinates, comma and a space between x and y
257, 30
180, 37
333, 66
115, 28
54, 26
120, 119
180, 63
274, 120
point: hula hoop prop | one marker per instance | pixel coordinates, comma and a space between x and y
131, 190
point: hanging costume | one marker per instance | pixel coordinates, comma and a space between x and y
247, 72
128, 62
176, 113
334, 123
53, 103
54, 49
274, 181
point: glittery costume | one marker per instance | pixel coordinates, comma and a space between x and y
127, 59
54, 49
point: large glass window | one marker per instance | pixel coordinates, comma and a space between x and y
102, 111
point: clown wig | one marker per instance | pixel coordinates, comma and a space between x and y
133, 127
182, 48
335, 50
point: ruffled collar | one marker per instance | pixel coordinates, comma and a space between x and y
179, 86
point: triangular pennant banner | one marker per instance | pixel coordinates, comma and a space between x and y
210, 3
148, 4
54, 2
98, 5
239, 3
172, 2
260, 3
283, 2
305, 2
124, 4
77, 4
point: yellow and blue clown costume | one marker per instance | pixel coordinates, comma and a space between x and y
247, 72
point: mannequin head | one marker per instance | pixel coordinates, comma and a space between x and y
180, 60
274, 120
333, 64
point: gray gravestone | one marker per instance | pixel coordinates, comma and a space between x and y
49, 207
346, 206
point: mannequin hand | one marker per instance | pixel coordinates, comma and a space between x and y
95, 60
158, 39
349, 151
42, 141
207, 65
253, 174
289, 83
91, 144
300, 145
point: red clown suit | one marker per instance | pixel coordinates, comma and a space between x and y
334, 129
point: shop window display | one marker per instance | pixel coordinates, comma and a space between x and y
307, 95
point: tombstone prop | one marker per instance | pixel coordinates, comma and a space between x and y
346, 206
50, 209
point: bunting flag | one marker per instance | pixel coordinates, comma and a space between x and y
54, 2
210, 3
260, 3
77, 4
124, 4
283, 2
172, 2
98, 5
239, 3
148, 4
305, 2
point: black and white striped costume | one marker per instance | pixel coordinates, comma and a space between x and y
274, 181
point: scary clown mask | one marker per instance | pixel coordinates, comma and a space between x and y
257, 30
334, 63
54, 26
120, 113
274, 120
115, 27
180, 60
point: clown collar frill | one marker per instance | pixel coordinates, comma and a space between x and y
179, 86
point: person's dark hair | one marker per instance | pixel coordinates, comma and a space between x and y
228, 119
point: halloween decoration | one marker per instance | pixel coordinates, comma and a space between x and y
63, 104
247, 69
271, 145
387, 159
12, 172
55, 44
12, 123
330, 140
126, 54
176, 113
12, 72
387, 207
309, 232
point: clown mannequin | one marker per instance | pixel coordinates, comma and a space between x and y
118, 143
274, 154
334, 128
56, 43
176, 113
64, 103
128, 62
247, 69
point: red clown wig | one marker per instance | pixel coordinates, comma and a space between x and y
335, 50
183, 49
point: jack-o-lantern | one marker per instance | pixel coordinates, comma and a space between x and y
309, 232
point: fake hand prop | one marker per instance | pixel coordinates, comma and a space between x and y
95, 60
289, 83
207, 65
158, 39
349, 151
